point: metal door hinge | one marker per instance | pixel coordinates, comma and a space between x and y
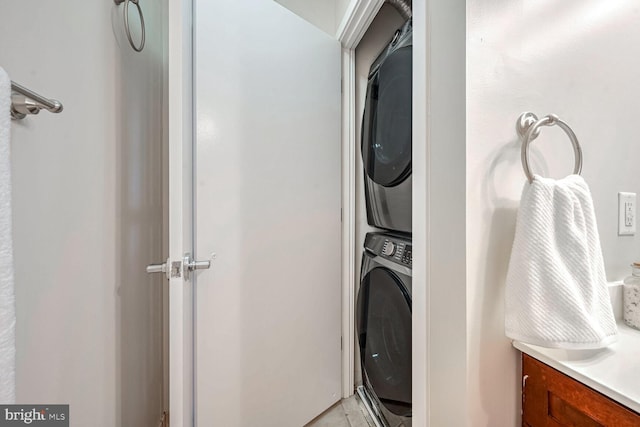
164, 420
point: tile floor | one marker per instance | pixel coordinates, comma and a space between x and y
346, 413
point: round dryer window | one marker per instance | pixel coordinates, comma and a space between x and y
384, 333
386, 133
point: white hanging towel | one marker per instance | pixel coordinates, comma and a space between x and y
7, 300
556, 293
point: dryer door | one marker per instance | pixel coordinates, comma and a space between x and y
384, 333
386, 127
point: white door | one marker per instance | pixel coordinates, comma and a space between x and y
267, 203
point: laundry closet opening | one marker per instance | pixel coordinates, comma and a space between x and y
383, 225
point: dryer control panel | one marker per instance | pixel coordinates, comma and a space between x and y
394, 248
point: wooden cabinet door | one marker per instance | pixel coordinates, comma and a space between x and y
550, 398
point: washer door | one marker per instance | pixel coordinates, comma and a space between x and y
386, 127
384, 333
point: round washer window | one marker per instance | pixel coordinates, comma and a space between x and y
384, 333
386, 136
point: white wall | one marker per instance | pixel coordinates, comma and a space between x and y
87, 211
439, 283
326, 14
341, 8
140, 144
322, 14
578, 59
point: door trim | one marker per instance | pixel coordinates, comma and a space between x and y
421, 215
354, 25
358, 17
178, 104
348, 222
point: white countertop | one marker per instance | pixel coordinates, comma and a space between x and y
613, 371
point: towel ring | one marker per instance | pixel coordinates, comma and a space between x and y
528, 127
126, 22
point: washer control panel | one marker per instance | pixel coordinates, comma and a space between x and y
395, 250
400, 252
407, 258
391, 247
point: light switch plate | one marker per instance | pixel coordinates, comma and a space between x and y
626, 214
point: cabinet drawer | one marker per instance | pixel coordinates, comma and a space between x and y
550, 398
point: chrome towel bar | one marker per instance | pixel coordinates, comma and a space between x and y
528, 127
25, 101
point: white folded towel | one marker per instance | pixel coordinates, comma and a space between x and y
556, 293
7, 299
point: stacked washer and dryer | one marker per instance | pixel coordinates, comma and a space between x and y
383, 312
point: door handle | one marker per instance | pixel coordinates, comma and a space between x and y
191, 265
188, 264
169, 268
157, 268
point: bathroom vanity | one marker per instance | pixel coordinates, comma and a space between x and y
551, 398
582, 387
